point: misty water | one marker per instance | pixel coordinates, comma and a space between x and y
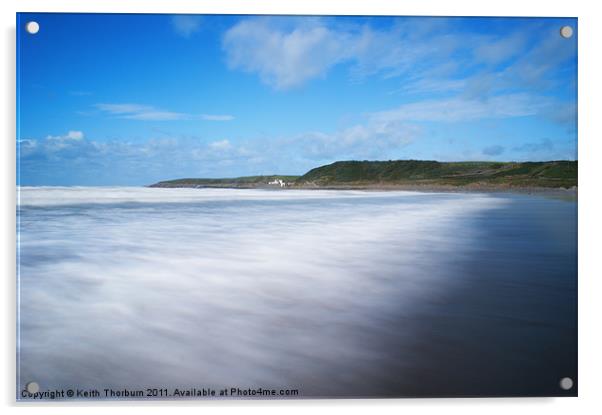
334, 293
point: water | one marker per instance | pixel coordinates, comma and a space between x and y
333, 293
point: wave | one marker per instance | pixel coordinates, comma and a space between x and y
305, 290
59, 196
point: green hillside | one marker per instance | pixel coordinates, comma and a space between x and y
238, 182
367, 174
418, 172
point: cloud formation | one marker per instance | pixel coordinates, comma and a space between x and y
284, 58
71, 135
427, 54
141, 112
150, 113
48, 160
286, 53
137, 162
461, 109
371, 140
220, 145
216, 117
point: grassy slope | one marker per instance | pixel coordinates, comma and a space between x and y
528, 174
248, 181
552, 174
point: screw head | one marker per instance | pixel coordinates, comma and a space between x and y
32, 387
566, 383
566, 32
32, 27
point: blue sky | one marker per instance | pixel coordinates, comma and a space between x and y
134, 99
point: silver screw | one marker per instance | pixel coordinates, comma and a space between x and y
566, 32
32, 387
32, 27
566, 383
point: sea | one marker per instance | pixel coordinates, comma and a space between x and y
325, 292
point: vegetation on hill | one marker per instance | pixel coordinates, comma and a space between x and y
366, 174
417, 172
240, 182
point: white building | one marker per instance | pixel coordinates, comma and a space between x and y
278, 182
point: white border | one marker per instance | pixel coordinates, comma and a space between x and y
590, 167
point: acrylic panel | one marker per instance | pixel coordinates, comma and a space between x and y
293, 207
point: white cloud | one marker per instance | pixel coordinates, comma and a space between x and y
534, 69
372, 140
220, 145
216, 117
284, 57
157, 115
496, 50
382, 135
52, 144
428, 55
150, 113
459, 109
75, 135
70, 136
430, 85
185, 25
141, 112
122, 108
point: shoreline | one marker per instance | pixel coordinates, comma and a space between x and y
427, 188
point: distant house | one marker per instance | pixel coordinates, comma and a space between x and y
278, 182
